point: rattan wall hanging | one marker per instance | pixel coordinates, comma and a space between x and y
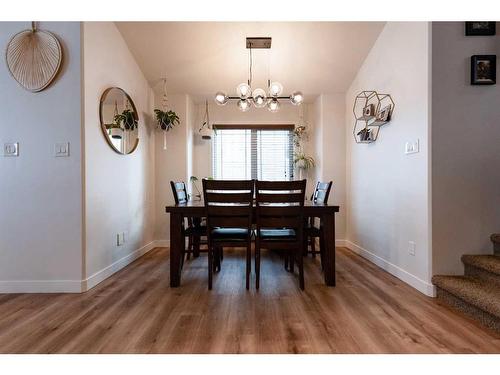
34, 58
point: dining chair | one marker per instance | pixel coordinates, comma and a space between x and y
280, 221
319, 196
229, 205
194, 229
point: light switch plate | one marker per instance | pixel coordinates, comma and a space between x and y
61, 149
11, 149
412, 147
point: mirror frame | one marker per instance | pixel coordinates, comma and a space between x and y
103, 128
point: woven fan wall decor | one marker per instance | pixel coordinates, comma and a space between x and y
34, 58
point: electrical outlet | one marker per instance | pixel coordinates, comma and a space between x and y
411, 248
119, 239
124, 236
11, 149
61, 149
412, 147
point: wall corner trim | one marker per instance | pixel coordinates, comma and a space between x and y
412, 280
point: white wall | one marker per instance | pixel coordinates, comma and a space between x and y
328, 145
172, 164
40, 195
465, 149
388, 191
119, 189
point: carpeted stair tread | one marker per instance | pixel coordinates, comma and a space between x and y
490, 263
482, 295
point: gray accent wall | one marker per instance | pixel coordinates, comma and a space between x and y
465, 149
40, 194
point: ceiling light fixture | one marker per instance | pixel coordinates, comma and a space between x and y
258, 97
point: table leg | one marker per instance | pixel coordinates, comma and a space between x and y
328, 224
177, 244
196, 239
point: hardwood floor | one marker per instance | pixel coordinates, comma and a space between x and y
134, 311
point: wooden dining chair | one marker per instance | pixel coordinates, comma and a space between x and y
194, 229
319, 196
280, 221
229, 206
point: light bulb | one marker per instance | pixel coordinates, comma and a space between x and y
259, 98
244, 105
296, 98
221, 98
275, 89
243, 90
273, 105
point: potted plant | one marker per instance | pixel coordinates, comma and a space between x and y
304, 162
166, 120
127, 119
193, 180
114, 130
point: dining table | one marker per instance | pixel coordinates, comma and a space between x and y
196, 209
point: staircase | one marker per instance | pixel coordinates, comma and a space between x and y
477, 293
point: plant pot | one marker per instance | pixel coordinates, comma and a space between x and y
129, 125
116, 133
163, 126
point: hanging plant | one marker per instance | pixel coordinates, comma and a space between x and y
299, 134
166, 120
127, 119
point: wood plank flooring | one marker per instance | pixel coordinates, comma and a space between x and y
135, 311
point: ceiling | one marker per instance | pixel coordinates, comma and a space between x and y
200, 58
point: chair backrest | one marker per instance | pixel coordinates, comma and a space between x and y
321, 192
228, 203
280, 204
179, 191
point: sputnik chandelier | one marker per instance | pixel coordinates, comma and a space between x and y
259, 97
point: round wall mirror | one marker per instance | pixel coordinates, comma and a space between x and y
119, 120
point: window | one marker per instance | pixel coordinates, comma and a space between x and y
259, 152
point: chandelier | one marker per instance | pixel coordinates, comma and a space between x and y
260, 98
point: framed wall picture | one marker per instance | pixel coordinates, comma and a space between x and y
369, 111
483, 70
385, 114
480, 28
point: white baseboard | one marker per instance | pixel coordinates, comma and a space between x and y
162, 243
103, 274
340, 243
77, 286
417, 283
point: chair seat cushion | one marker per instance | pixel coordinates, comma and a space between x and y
278, 234
230, 234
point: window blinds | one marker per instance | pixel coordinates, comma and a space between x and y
263, 152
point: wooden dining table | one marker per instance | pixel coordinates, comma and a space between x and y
196, 209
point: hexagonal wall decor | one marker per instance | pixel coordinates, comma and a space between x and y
371, 111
